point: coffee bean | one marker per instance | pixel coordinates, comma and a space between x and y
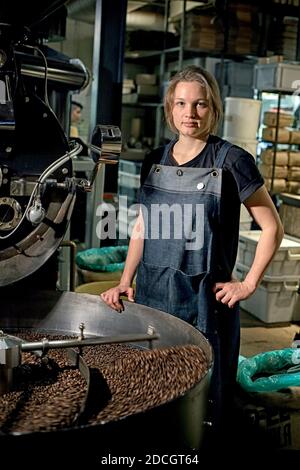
48, 396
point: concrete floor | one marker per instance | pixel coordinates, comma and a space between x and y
257, 336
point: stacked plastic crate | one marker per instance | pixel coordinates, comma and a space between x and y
277, 297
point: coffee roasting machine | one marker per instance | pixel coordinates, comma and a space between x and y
37, 195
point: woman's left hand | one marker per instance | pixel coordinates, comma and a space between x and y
229, 293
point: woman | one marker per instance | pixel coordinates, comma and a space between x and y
197, 182
76, 110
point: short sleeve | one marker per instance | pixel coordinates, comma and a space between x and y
245, 172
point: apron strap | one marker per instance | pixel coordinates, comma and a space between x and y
222, 154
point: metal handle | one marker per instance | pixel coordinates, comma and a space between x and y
291, 287
293, 256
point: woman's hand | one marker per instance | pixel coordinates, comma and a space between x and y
112, 296
229, 293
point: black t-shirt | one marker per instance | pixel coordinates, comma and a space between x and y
245, 176
241, 179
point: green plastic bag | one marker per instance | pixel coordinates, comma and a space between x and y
270, 371
106, 259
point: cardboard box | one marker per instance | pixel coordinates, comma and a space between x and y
270, 59
147, 90
295, 137
293, 187
267, 171
294, 158
294, 173
270, 119
267, 157
145, 79
276, 428
176, 7
279, 184
269, 134
289, 212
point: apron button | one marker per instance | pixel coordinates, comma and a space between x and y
200, 185
179, 172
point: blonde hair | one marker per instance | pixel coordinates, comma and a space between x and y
193, 73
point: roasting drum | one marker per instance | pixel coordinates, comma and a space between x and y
177, 424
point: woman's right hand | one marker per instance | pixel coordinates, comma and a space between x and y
112, 296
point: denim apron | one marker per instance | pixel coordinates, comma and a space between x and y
181, 208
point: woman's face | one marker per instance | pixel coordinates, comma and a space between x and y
76, 114
190, 108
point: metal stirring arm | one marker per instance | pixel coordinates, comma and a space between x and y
11, 348
45, 344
